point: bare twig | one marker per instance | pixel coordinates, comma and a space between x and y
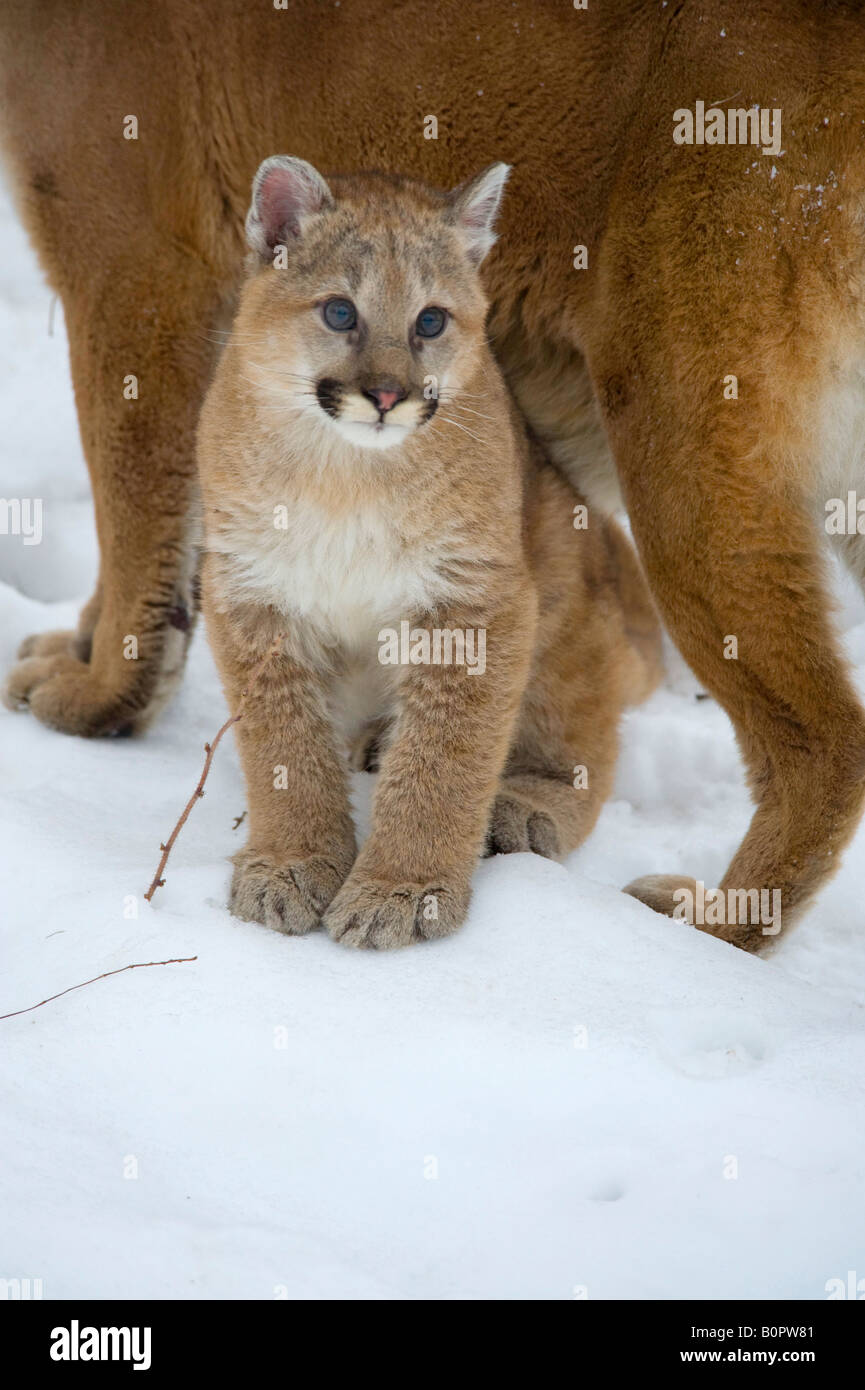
210, 749
138, 965
238, 820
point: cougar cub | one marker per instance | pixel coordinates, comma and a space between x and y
373, 505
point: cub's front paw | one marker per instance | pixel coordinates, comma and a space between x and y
290, 897
377, 915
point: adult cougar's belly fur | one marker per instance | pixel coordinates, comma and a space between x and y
705, 262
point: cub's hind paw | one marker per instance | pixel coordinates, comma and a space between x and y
289, 897
516, 826
377, 915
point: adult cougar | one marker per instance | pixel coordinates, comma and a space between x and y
703, 263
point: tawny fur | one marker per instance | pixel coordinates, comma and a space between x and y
702, 262
315, 530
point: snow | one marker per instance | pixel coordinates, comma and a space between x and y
572, 1097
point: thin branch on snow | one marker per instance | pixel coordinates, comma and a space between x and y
210, 749
138, 965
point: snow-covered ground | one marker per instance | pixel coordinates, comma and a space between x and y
572, 1097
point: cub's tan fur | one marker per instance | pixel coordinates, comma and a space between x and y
354, 480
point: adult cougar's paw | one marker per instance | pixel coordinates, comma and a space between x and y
290, 897
657, 890
739, 916
517, 826
372, 914
58, 643
67, 695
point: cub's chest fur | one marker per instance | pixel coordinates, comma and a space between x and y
346, 572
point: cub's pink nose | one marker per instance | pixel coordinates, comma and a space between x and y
385, 398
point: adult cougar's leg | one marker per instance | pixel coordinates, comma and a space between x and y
139, 363
136, 241
725, 354
733, 553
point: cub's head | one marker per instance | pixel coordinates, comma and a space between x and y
365, 310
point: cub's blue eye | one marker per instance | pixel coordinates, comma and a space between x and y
340, 315
430, 322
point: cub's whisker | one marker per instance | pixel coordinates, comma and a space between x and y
448, 421
454, 405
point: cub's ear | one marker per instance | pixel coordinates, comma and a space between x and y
474, 207
284, 192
